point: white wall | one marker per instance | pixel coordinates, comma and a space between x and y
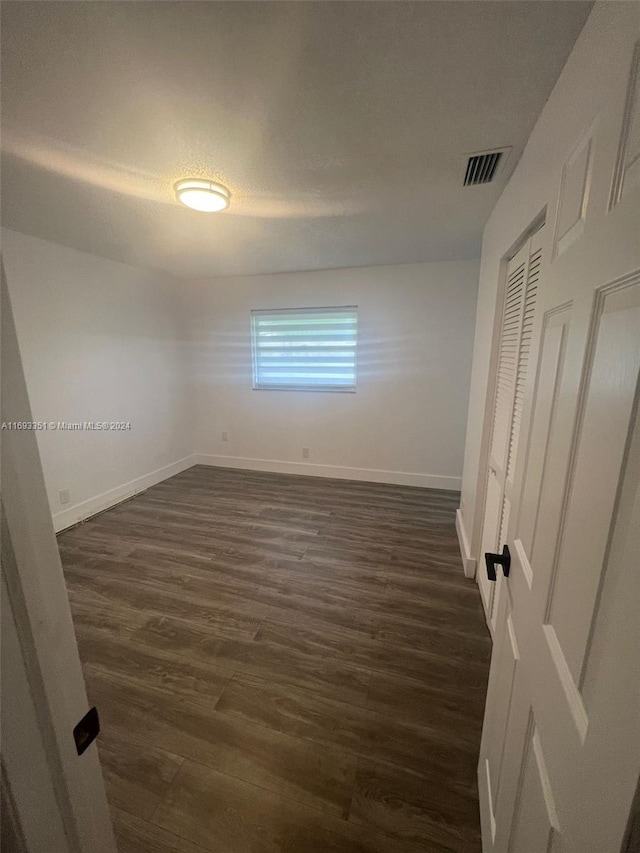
598, 67
100, 341
405, 423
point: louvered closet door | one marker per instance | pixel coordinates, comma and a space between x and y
523, 272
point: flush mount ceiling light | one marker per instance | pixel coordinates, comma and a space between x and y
206, 196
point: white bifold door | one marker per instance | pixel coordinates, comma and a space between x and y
560, 752
518, 315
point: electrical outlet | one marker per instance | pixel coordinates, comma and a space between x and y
65, 496
225, 436
305, 452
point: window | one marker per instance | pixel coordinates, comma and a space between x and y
305, 349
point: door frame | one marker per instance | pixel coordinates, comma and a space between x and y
46, 696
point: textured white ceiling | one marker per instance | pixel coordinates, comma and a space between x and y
339, 127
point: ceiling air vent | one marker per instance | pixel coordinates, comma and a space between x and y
481, 168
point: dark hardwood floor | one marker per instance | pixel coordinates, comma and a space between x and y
282, 663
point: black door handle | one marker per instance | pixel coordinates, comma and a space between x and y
503, 560
87, 730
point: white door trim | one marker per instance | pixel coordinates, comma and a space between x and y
45, 649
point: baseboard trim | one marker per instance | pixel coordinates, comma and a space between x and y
92, 506
337, 472
468, 562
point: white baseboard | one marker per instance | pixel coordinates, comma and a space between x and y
81, 511
468, 562
92, 506
338, 472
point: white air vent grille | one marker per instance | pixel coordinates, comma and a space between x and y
482, 168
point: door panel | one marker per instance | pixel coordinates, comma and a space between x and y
500, 722
608, 401
554, 339
508, 356
526, 336
535, 822
502, 684
507, 726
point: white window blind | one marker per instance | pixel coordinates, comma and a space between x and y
305, 349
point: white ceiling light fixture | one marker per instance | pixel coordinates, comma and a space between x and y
205, 196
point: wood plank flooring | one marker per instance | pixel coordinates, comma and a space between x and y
282, 663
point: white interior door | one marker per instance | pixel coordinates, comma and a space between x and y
57, 795
560, 753
518, 316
